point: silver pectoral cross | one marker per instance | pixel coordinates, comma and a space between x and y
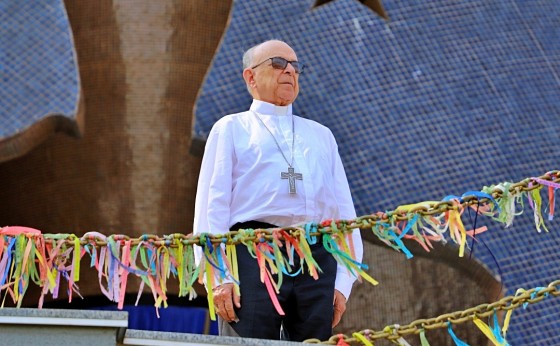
291, 176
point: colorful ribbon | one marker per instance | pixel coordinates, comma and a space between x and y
27, 255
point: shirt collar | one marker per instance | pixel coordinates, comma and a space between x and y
262, 107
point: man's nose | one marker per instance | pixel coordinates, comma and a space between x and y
290, 69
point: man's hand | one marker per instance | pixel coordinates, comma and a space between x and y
224, 299
339, 303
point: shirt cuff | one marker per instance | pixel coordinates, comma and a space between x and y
344, 281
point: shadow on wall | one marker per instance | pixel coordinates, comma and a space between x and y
141, 64
425, 286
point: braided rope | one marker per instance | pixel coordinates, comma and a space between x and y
365, 222
27, 255
508, 303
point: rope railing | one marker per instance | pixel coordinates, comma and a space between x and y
395, 333
28, 255
401, 213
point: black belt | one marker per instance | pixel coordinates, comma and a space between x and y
251, 224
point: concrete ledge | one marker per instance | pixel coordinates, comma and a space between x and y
66, 317
149, 338
55, 327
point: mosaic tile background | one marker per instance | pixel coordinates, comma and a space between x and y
38, 71
448, 96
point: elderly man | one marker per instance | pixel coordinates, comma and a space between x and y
268, 168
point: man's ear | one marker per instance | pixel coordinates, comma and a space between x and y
249, 77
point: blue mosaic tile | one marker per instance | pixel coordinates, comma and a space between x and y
446, 97
38, 69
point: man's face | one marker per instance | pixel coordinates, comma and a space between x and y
277, 86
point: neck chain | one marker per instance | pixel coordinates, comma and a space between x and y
290, 163
291, 175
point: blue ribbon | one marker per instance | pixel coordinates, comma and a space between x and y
332, 248
310, 227
534, 295
409, 226
450, 197
480, 195
129, 269
8, 264
400, 244
457, 341
497, 332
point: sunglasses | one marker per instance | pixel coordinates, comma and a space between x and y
281, 64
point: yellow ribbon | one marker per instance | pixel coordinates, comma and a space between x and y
484, 328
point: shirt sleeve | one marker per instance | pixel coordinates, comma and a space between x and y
345, 279
213, 195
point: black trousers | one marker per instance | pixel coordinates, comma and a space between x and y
307, 303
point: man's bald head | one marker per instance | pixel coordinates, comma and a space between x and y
265, 82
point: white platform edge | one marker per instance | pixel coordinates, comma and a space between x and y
55, 321
152, 342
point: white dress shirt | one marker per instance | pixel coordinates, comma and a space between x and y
240, 177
